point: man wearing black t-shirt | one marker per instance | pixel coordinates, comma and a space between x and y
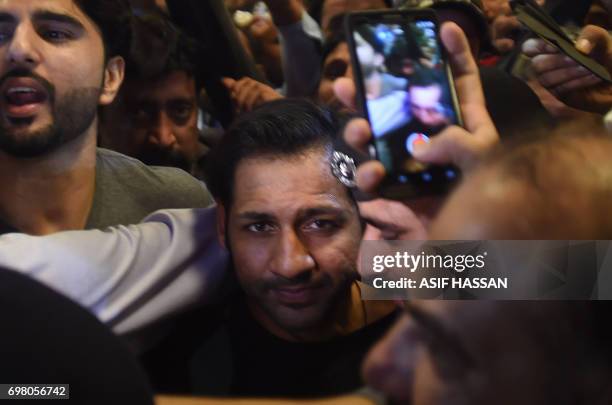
298, 327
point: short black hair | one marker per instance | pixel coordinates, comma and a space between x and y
282, 128
159, 47
113, 19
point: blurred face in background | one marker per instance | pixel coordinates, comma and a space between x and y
156, 122
470, 352
336, 65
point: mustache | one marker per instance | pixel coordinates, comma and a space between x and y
23, 73
306, 280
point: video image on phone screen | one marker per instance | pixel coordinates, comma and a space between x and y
405, 83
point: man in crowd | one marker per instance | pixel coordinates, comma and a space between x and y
558, 350
292, 228
155, 116
477, 352
60, 61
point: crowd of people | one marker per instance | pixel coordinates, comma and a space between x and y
153, 251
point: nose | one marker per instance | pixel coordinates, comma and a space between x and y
291, 257
23, 50
390, 365
162, 132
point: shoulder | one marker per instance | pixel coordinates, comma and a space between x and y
177, 186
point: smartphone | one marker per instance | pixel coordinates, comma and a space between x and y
537, 20
406, 91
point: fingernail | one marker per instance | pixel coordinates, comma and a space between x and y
584, 45
419, 149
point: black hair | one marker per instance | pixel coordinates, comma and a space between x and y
282, 128
113, 19
335, 37
159, 48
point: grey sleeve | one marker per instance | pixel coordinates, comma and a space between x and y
301, 54
129, 277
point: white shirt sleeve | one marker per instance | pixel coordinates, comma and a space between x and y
301, 53
128, 276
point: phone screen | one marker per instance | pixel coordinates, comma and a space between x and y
407, 94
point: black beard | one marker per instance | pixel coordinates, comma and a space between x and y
72, 115
161, 157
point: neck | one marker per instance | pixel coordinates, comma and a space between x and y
348, 315
51, 193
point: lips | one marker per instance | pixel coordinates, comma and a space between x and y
297, 295
22, 97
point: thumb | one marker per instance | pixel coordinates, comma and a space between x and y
594, 41
445, 148
228, 82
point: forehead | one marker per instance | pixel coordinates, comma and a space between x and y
424, 94
175, 85
288, 185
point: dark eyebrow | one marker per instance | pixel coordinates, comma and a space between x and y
45, 15
255, 216
316, 211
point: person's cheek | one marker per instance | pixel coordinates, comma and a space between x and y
250, 256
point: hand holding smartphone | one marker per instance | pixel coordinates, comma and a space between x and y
405, 90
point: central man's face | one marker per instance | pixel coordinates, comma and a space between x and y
294, 236
51, 73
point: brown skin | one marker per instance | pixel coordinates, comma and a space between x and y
53, 192
566, 203
247, 94
407, 370
566, 79
294, 248
161, 115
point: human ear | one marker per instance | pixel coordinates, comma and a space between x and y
114, 74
